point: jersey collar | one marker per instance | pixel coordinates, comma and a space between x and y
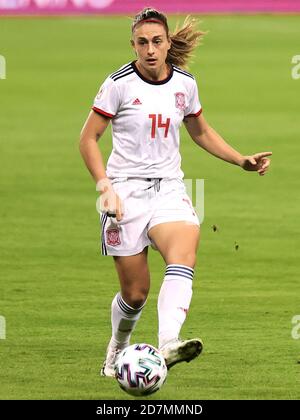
151, 82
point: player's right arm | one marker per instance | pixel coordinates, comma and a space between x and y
92, 130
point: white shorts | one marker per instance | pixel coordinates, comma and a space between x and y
146, 202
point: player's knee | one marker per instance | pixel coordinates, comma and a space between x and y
187, 258
136, 299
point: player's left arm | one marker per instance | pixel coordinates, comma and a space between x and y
206, 137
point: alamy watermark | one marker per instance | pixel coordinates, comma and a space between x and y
2, 67
296, 328
190, 191
296, 68
195, 190
2, 328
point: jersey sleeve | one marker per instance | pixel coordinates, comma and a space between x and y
107, 100
194, 107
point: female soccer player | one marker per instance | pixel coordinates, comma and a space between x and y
143, 197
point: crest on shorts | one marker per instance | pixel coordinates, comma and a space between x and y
180, 100
113, 237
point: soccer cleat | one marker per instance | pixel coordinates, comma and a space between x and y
177, 351
108, 368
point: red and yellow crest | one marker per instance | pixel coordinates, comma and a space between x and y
113, 237
180, 100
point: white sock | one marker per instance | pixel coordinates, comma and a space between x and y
123, 320
174, 301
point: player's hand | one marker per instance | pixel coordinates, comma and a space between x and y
110, 202
258, 162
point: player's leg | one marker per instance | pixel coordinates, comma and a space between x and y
127, 305
177, 242
134, 278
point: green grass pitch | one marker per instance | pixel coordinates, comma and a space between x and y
56, 289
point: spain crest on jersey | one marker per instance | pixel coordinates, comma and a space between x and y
180, 100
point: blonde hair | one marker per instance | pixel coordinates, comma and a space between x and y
183, 40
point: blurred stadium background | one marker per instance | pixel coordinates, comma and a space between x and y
55, 289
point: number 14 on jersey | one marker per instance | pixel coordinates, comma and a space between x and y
158, 123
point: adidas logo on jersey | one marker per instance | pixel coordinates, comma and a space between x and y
137, 102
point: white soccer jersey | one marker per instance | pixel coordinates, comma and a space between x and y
146, 117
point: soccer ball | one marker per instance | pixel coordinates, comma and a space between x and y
141, 370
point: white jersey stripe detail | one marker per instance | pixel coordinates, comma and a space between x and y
122, 75
183, 72
122, 69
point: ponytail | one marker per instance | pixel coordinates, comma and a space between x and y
183, 42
